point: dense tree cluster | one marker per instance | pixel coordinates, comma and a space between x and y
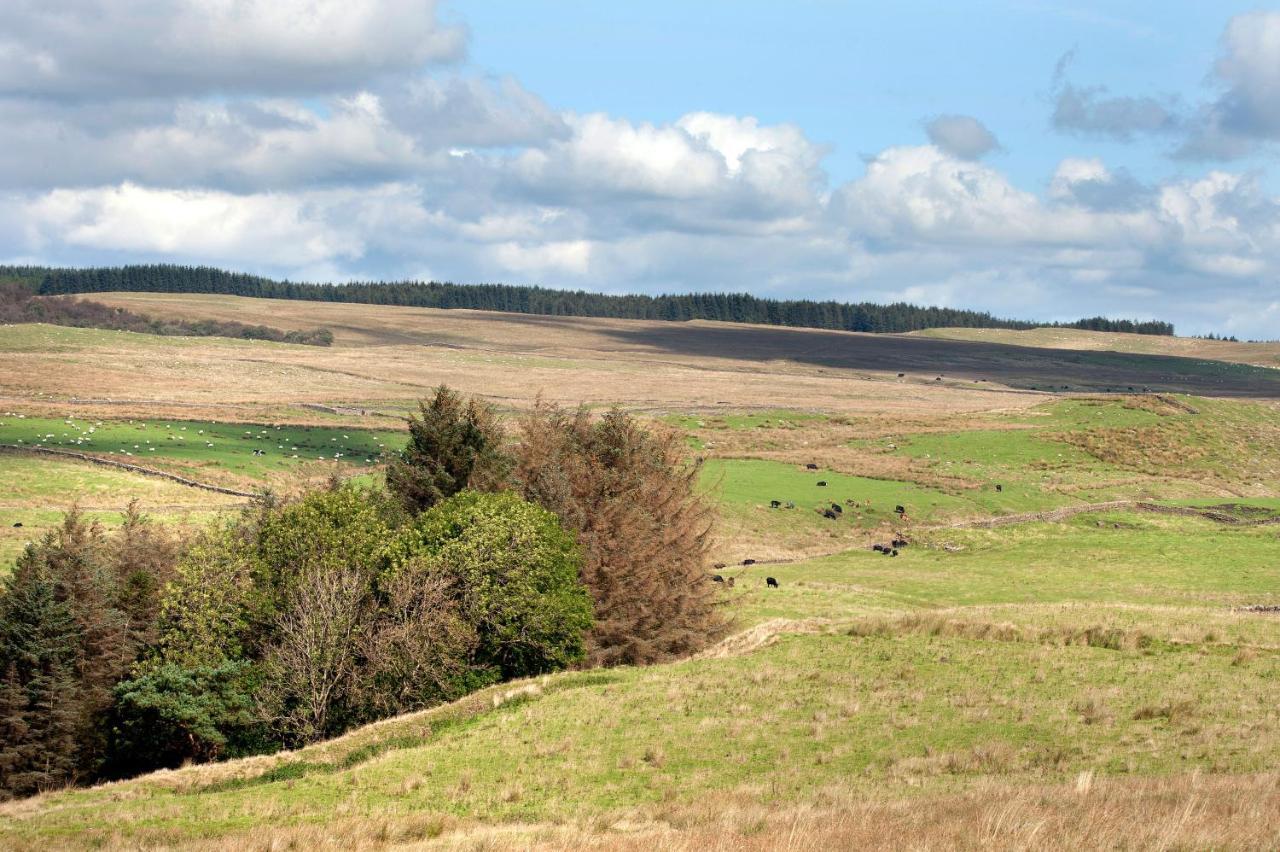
19, 303
724, 307
577, 540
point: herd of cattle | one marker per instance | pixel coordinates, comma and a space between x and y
832, 511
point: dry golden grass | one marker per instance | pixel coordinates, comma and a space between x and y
1190, 811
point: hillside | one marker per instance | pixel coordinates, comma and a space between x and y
1078, 648
1259, 354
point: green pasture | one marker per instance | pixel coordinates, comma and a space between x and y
195, 443
896, 713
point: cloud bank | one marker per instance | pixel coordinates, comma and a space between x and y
330, 140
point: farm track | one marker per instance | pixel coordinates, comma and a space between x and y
132, 468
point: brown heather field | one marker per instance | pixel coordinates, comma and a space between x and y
1104, 681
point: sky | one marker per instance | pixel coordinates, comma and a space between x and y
1037, 159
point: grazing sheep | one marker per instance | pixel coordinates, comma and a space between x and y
770, 583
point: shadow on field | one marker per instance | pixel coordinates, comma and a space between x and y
927, 358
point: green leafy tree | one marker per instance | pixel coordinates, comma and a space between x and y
454, 443
514, 573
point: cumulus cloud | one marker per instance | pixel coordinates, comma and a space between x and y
962, 136
1247, 112
114, 48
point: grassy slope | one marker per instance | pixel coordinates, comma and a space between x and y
1035, 653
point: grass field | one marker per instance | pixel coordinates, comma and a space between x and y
1099, 681
245, 450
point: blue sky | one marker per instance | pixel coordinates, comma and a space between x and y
1042, 160
858, 77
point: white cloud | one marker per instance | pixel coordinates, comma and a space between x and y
113, 48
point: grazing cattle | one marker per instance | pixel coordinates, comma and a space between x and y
811, 466
822, 483
893, 552
718, 565
775, 504
938, 379
999, 487
900, 375
717, 579
18, 524
790, 505
878, 548
748, 562
829, 515
899, 542
835, 507
901, 510
730, 582
770, 583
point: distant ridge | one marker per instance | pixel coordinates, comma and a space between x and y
723, 307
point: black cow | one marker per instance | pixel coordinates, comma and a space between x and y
835, 507
901, 510
717, 579
999, 487
775, 504
899, 542
900, 375
770, 583
878, 548
811, 466
822, 483
829, 515
748, 562
893, 552
18, 524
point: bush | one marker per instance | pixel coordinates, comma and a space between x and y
513, 571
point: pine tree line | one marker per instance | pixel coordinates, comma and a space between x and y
722, 307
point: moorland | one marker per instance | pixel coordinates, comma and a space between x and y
1078, 645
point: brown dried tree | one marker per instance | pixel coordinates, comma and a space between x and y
632, 499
